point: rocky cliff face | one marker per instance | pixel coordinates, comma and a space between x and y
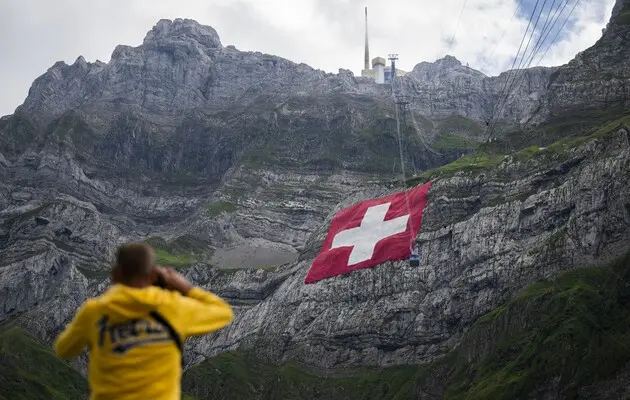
182, 66
446, 87
483, 238
596, 80
239, 159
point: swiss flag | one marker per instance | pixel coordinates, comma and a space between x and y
370, 233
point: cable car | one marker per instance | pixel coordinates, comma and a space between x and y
414, 258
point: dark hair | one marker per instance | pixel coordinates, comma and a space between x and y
134, 260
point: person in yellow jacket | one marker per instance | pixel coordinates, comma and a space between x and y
135, 330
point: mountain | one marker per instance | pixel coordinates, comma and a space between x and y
595, 81
232, 164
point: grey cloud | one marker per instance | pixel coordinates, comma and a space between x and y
40, 33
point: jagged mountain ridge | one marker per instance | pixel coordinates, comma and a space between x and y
64, 207
182, 65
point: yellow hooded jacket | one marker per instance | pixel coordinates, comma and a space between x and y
133, 352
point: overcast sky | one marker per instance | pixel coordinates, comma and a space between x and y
326, 34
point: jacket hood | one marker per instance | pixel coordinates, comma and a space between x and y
128, 302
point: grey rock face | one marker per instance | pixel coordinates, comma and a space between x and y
596, 80
552, 214
446, 87
182, 65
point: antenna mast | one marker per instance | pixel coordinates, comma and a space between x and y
367, 47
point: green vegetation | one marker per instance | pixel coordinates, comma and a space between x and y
163, 257
468, 163
612, 126
218, 207
179, 253
93, 274
29, 371
447, 141
236, 375
623, 18
484, 160
71, 126
457, 123
573, 329
579, 125
527, 153
569, 142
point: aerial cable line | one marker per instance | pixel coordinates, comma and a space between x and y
528, 42
550, 44
550, 17
456, 26
521, 45
511, 70
541, 40
440, 76
526, 61
559, 30
491, 120
518, 6
531, 36
503, 99
546, 24
555, 20
519, 71
546, 34
397, 103
539, 44
459, 19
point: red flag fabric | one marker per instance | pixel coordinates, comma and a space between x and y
370, 233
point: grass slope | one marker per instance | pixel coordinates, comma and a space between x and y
214, 209
448, 141
485, 159
572, 330
235, 375
568, 332
179, 253
30, 371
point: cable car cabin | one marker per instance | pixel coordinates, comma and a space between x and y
414, 260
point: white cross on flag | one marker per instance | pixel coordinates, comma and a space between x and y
370, 233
